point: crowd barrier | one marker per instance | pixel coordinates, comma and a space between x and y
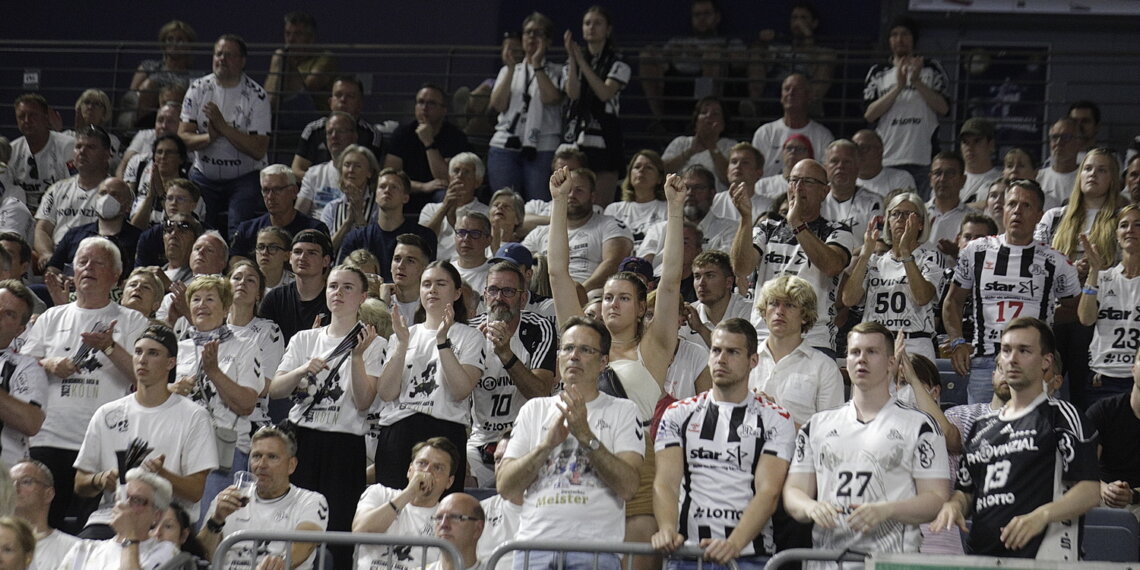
336, 538
630, 550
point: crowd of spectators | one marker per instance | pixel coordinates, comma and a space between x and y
729, 342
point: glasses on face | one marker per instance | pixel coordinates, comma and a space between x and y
568, 349
276, 189
798, 180
506, 292
452, 518
470, 234
28, 482
901, 214
268, 248
171, 226
137, 501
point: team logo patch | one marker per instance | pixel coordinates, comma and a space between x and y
925, 454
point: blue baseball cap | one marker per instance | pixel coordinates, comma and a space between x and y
515, 253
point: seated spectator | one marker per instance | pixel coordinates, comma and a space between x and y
321, 183
1087, 115
1058, 178
155, 74
775, 187
745, 169
501, 522
642, 202
973, 227
71, 202
142, 291
276, 505
354, 205
1018, 163
176, 528
228, 151
717, 300
180, 197
459, 519
716, 232
279, 194
423, 147
795, 98
179, 234
598, 242
299, 75
706, 146
20, 257
407, 511
177, 432
93, 109
347, 97
23, 384
35, 491
392, 193
111, 209
466, 174
81, 345
140, 152
40, 155
846, 202
872, 174
147, 496
14, 213
1132, 180
298, 305
1119, 415
272, 255
208, 256
166, 162
19, 542
473, 237
527, 95
508, 214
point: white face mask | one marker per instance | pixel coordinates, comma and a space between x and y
905, 394
107, 207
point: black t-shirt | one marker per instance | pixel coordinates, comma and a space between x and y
1120, 439
406, 145
382, 243
313, 144
283, 305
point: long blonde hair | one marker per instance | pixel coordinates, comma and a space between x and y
1103, 232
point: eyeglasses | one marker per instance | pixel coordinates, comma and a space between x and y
452, 518
470, 234
900, 214
268, 248
137, 501
506, 292
568, 349
276, 189
28, 482
171, 227
797, 180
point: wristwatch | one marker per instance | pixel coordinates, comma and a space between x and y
110, 349
129, 541
594, 444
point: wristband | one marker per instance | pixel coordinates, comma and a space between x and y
956, 343
394, 507
1090, 290
214, 526
906, 259
443, 345
799, 229
513, 361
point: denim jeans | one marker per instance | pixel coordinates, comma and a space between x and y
529, 178
980, 389
574, 561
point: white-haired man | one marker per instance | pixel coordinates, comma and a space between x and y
279, 191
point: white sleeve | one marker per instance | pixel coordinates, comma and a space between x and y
627, 433
803, 461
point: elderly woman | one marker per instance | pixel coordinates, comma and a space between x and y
901, 285
528, 98
706, 147
508, 214
143, 291
17, 543
219, 371
466, 173
356, 207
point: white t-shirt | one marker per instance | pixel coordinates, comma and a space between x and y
679, 145
804, 382
500, 525
855, 213
245, 106
770, 138
131, 174
723, 207
51, 549
1057, 187
539, 125
476, 276
888, 179
716, 232
66, 204
142, 142
568, 499
178, 428
906, 128
72, 401
238, 359
266, 336
689, 361
639, 217
285, 513
327, 404
423, 389
445, 247
977, 186
22, 378
320, 186
410, 521
857, 462
890, 297
90, 554
585, 243
945, 225
51, 163
1117, 333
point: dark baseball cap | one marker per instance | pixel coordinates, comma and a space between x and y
515, 253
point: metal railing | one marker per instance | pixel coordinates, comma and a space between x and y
334, 538
812, 555
562, 547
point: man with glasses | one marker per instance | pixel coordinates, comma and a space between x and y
716, 232
148, 496
1057, 178
576, 455
525, 345
279, 193
35, 490
423, 146
406, 512
179, 232
276, 505
459, 520
393, 190
472, 237
872, 174
947, 176
179, 433
73, 201
39, 157
803, 243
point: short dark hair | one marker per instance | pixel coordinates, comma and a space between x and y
242, 47
714, 257
1086, 104
403, 176
22, 292
315, 236
701, 171
1048, 342
24, 247
96, 132
163, 335
33, 99
976, 218
183, 152
737, 325
951, 155
349, 78
443, 444
437, 88
905, 22
416, 241
599, 327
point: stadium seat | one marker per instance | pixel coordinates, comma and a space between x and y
1111, 535
953, 384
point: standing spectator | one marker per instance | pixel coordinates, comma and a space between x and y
642, 203
976, 143
347, 97
249, 287
23, 385
423, 147
408, 262
226, 120
80, 345
706, 147
40, 155
700, 191
527, 98
715, 286
846, 202
71, 202
869, 472
905, 98
746, 169
795, 98
593, 81
459, 520
872, 174
299, 75
1057, 179
1018, 513
1087, 115
177, 431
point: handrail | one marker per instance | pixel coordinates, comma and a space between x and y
805, 554
370, 539
596, 548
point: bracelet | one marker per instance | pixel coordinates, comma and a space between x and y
906, 259
956, 343
1090, 290
394, 507
513, 361
214, 526
799, 228
443, 345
